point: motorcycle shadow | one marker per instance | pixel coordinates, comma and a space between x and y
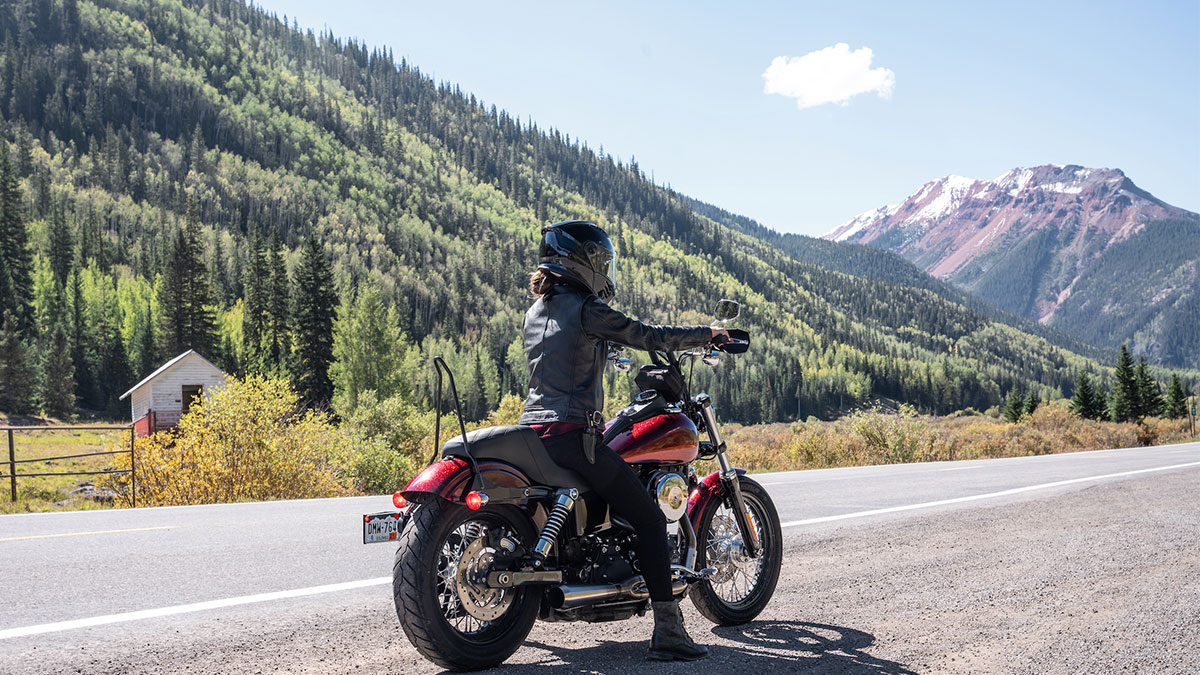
760, 647
802, 646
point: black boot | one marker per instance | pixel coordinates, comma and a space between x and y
670, 641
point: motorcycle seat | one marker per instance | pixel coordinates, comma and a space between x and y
520, 446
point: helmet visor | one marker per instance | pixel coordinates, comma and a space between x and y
557, 242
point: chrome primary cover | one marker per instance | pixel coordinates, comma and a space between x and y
671, 491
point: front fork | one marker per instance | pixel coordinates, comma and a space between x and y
729, 479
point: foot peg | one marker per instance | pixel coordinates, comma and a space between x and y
692, 576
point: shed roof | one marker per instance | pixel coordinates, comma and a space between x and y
164, 367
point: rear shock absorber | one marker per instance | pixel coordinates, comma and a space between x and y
563, 502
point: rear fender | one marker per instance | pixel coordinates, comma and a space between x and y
450, 479
704, 493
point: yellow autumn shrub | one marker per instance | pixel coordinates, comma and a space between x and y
247, 441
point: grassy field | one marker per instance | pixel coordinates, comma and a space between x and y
46, 493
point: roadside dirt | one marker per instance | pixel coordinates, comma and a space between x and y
1102, 579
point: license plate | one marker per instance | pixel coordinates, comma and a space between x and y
381, 527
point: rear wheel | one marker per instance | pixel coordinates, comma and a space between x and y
445, 607
742, 585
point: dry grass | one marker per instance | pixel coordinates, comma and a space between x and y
881, 438
46, 493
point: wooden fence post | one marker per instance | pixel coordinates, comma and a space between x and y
12, 466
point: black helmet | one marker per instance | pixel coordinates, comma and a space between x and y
580, 251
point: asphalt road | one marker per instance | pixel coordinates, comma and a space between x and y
1055, 563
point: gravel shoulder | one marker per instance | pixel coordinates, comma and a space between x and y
1103, 578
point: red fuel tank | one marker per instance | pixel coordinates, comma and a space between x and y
665, 438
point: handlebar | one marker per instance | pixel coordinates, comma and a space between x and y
737, 342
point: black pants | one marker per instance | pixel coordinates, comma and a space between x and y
616, 483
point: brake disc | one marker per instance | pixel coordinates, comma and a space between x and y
478, 600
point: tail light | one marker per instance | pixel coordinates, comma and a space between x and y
399, 500
475, 500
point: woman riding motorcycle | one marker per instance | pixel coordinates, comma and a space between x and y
566, 335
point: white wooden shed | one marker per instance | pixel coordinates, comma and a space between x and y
163, 396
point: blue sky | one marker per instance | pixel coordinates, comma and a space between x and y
975, 89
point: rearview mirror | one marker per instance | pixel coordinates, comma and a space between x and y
727, 310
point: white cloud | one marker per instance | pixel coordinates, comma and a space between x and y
829, 75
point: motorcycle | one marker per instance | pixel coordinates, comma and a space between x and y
495, 535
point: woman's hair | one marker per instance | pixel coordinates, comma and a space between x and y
540, 282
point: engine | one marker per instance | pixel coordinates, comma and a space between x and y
602, 559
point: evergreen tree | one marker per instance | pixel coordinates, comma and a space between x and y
277, 340
23, 160
61, 247
1087, 402
1032, 403
254, 315
81, 346
314, 313
115, 374
195, 152
1015, 407
1123, 400
58, 375
218, 280
1176, 405
1149, 396
185, 300
16, 375
147, 353
16, 258
367, 350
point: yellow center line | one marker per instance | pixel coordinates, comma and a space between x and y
79, 534
962, 468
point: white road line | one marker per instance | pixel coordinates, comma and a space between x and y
971, 498
379, 581
186, 609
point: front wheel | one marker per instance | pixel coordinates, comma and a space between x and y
445, 607
742, 585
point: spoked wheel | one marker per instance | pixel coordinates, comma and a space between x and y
439, 582
742, 585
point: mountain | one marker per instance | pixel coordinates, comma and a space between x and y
127, 119
867, 261
1084, 250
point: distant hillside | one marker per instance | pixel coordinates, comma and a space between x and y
870, 262
1037, 242
122, 113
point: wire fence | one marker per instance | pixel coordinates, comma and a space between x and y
12, 474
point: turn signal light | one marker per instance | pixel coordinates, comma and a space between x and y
399, 500
475, 500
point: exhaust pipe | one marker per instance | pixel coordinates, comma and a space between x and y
568, 596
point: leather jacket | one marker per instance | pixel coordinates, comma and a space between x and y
566, 335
